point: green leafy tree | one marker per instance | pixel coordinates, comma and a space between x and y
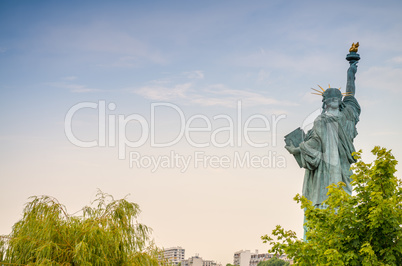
107, 234
364, 229
273, 262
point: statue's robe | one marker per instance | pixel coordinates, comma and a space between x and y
326, 154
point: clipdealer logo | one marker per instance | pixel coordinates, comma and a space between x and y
111, 132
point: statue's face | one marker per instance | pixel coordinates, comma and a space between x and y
332, 103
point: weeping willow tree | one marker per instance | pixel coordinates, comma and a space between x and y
106, 234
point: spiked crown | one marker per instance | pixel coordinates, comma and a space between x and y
330, 93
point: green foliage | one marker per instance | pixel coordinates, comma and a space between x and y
273, 262
364, 229
107, 234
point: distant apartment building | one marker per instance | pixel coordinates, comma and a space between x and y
246, 258
174, 255
257, 257
198, 261
242, 258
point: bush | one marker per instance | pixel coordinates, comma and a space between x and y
364, 229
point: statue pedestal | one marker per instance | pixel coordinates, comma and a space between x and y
352, 57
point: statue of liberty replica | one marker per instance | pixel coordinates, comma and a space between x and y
325, 151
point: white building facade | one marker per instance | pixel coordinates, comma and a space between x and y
246, 258
257, 257
198, 261
242, 258
174, 255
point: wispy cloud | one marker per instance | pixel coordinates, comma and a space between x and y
66, 83
118, 48
308, 97
385, 133
263, 75
76, 88
383, 78
219, 94
69, 78
197, 74
124, 61
397, 59
161, 93
306, 62
213, 95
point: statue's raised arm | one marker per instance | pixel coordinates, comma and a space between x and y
350, 83
353, 57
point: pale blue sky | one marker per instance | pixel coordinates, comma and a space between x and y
202, 56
